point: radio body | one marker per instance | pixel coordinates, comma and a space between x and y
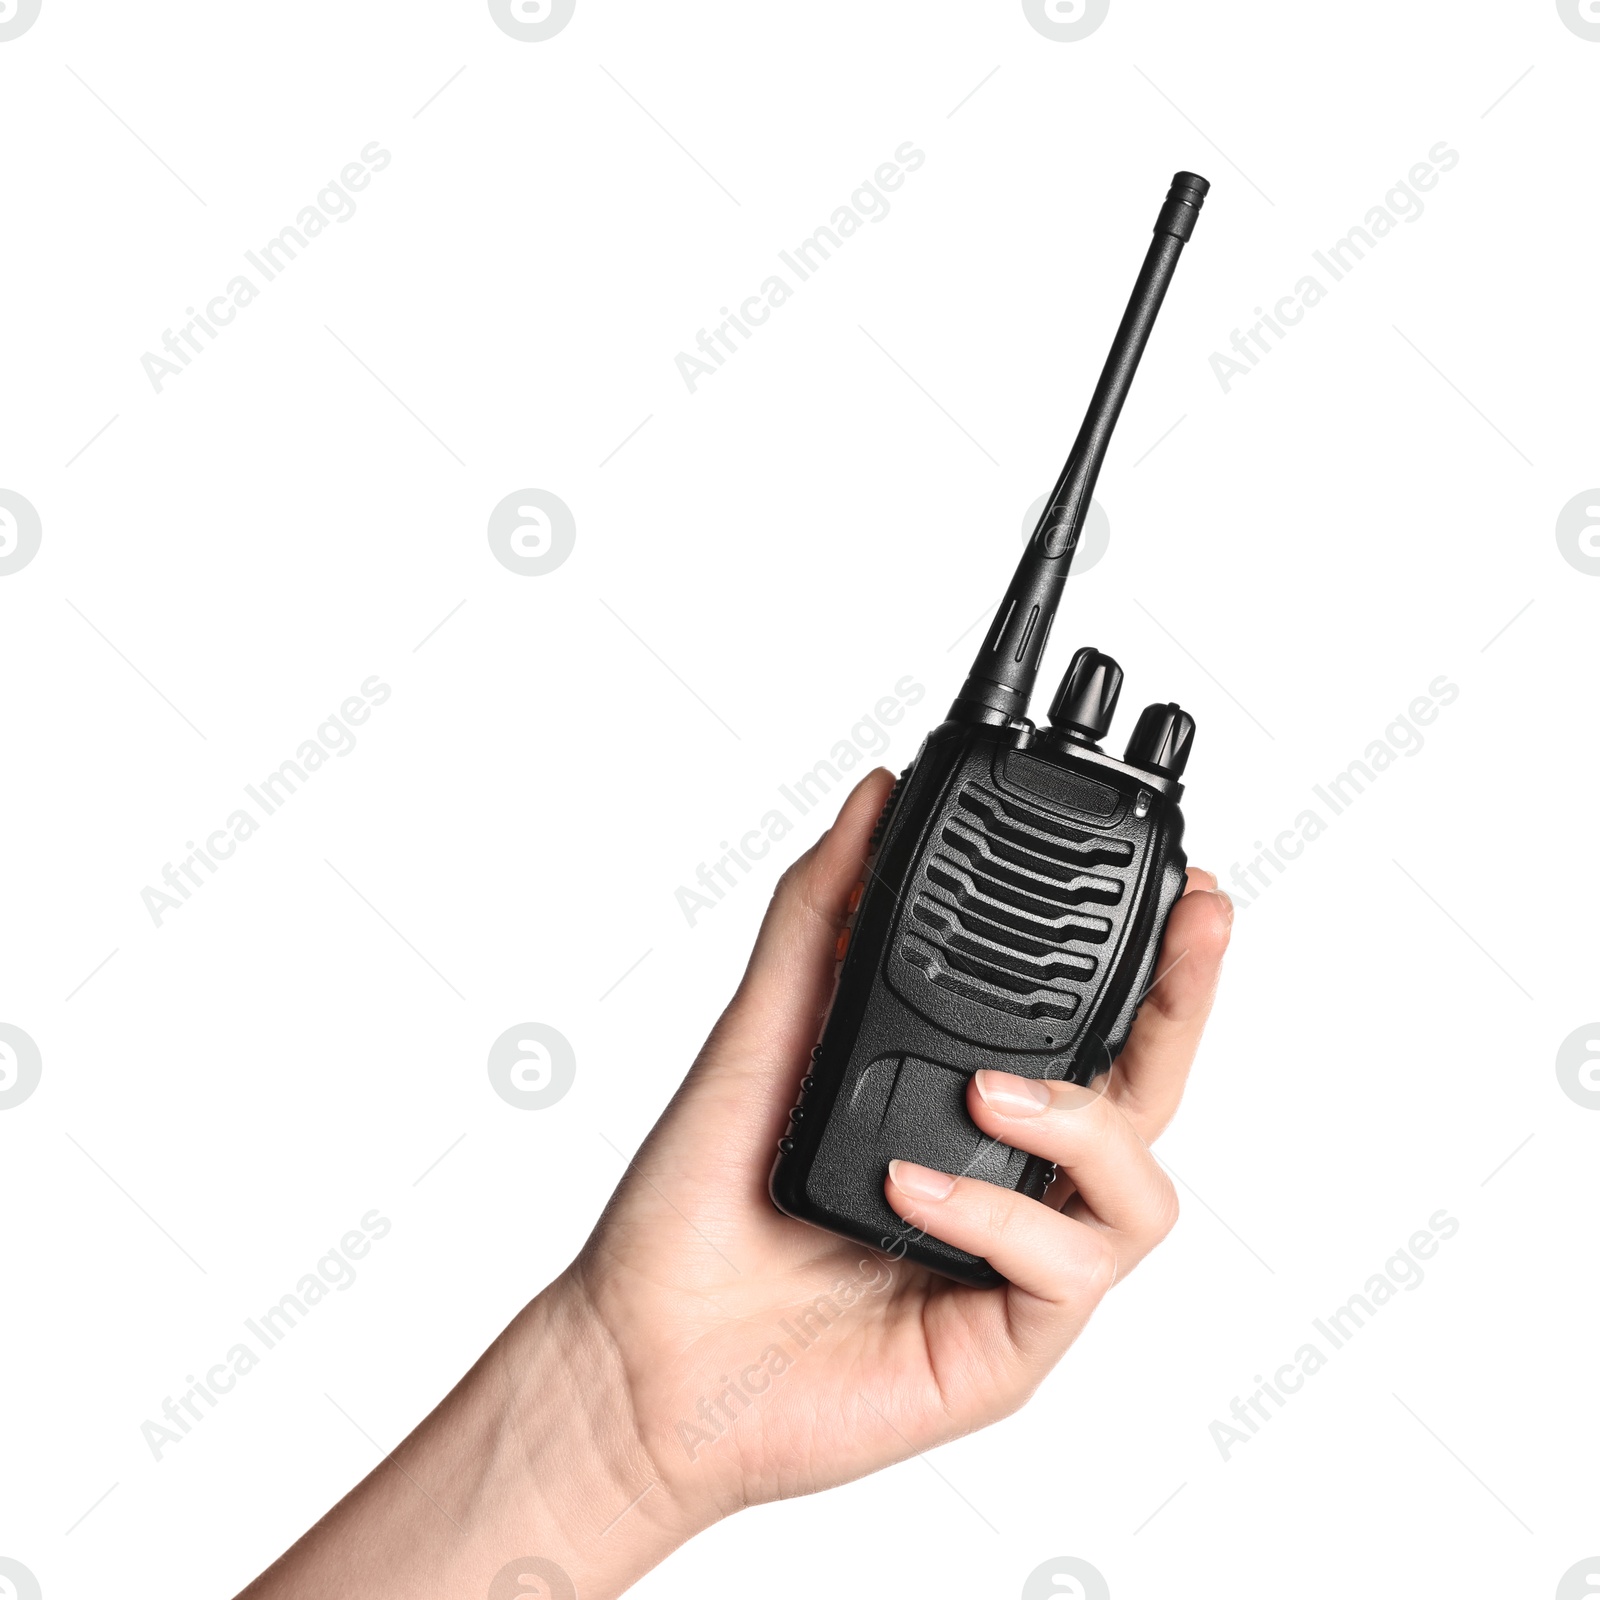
1016, 891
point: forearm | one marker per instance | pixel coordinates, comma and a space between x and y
532, 1455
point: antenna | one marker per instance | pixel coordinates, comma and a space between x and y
1001, 680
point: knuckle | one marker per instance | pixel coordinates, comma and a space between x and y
999, 1215
799, 888
1164, 1209
1100, 1271
792, 879
1079, 1119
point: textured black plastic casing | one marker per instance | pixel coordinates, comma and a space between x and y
1013, 910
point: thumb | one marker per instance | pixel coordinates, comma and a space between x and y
774, 1018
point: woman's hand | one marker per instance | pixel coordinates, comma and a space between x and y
705, 1352
763, 1358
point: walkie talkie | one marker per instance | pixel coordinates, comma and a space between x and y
1017, 886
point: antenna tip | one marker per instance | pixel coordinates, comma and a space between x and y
1182, 205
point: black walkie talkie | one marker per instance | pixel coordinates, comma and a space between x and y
1017, 888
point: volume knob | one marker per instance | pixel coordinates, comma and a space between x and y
1087, 699
1161, 740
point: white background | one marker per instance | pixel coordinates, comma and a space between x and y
1372, 507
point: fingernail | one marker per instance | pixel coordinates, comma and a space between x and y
923, 1182
1227, 900
1012, 1096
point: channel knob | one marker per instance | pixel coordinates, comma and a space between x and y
1161, 740
1087, 699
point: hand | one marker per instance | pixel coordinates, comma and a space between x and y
705, 1352
762, 1358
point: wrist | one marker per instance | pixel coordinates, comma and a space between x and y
593, 1495
531, 1468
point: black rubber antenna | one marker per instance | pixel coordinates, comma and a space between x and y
1001, 680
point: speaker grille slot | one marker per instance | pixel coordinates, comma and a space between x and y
1007, 911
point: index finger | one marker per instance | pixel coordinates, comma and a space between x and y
1148, 1078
